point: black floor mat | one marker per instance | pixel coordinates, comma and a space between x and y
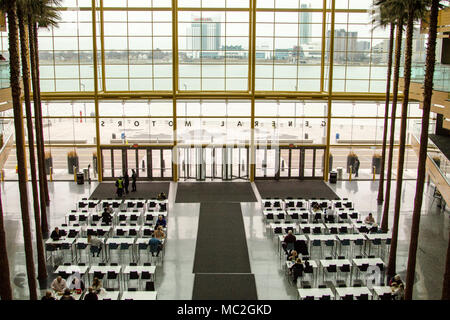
305, 189
145, 190
215, 192
224, 287
221, 243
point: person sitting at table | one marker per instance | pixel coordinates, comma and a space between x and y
288, 242
159, 233
161, 196
48, 296
395, 280
328, 215
293, 256
96, 245
315, 207
91, 295
67, 295
59, 284
398, 291
161, 221
56, 234
97, 285
297, 270
374, 228
76, 283
106, 216
155, 245
369, 219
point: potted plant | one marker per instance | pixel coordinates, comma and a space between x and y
94, 161
48, 161
72, 160
376, 163
351, 158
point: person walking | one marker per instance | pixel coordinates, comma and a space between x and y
119, 185
133, 179
356, 167
126, 181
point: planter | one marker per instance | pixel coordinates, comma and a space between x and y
376, 162
72, 160
351, 158
48, 162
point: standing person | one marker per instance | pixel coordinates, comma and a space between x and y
119, 185
288, 242
96, 245
126, 181
356, 167
133, 178
106, 216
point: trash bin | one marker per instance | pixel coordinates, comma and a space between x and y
86, 174
333, 176
339, 172
80, 178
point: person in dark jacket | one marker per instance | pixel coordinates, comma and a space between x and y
56, 234
133, 179
126, 181
297, 270
67, 295
48, 296
356, 167
106, 216
288, 242
161, 222
155, 245
91, 295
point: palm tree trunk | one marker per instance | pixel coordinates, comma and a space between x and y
41, 164
5, 281
398, 48
401, 149
446, 285
38, 91
427, 94
386, 113
20, 145
42, 272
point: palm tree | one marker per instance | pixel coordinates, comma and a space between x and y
415, 9
42, 271
45, 14
383, 19
397, 15
427, 94
5, 281
9, 6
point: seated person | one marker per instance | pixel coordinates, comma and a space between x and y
67, 295
369, 219
297, 269
159, 233
398, 291
96, 245
48, 296
288, 241
106, 216
395, 280
97, 285
328, 215
155, 245
161, 222
59, 284
77, 284
293, 256
56, 234
91, 295
162, 196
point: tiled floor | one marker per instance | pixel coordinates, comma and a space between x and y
175, 277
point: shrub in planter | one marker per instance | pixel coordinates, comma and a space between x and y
72, 160
48, 161
351, 158
376, 162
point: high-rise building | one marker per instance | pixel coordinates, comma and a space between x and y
205, 35
305, 25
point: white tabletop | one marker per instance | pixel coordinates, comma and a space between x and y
283, 225
68, 228
369, 261
338, 262
128, 240
311, 225
128, 228
129, 213
312, 263
146, 240
104, 269
85, 240
297, 237
156, 213
139, 295
113, 295
355, 291
321, 237
74, 295
381, 236
95, 228
72, 269
315, 292
380, 290
295, 210
338, 225
139, 269
350, 236
60, 241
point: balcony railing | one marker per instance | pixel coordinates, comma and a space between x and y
441, 78
4, 74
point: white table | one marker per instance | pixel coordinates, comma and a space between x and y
139, 269
77, 215
352, 237
311, 226
370, 261
82, 270
59, 243
106, 229
99, 215
126, 230
291, 211
67, 229
283, 227
355, 291
296, 201
317, 293
380, 290
139, 295
297, 237
122, 240
85, 241
325, 263
322, 238
110, 295
320, 202
76, 296
349, 226
104, 270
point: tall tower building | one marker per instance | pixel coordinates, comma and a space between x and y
305, 25
205, 35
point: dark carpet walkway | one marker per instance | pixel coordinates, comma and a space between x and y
222, 264
145, 190
305, 189
215, 192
